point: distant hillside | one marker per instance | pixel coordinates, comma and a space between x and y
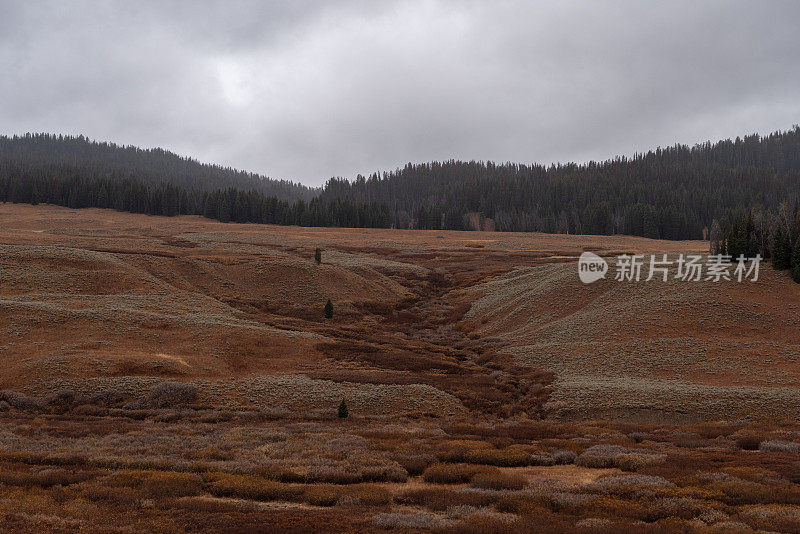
56, 156
671, 193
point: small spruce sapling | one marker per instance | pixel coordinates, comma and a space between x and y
343, 411
328, 309
318, 255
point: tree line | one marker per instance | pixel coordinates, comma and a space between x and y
772, 233
228, 205
671, 193
66, 156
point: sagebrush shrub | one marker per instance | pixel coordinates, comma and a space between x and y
166, 395
20, 401
564, 457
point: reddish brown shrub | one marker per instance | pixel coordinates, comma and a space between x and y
443, 498
450, 473
368, 494
414, 464
322, 495
498, 480
157, 483
748, 441
251, 487
43, 477
509, 457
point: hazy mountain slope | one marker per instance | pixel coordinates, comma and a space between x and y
49, 155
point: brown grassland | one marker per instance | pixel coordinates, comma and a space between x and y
179, 374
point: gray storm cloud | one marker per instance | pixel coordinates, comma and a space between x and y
306, 91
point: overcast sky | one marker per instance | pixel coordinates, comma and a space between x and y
310, 90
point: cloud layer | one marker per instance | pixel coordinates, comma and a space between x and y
306, 91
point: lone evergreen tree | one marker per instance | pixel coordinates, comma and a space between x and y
329, 309
343, 412
318, 255
796, 261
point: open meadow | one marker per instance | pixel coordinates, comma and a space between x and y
180, 374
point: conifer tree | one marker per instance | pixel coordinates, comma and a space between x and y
795, 261
328, 309
781, 252
343, 411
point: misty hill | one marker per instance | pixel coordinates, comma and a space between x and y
66, 157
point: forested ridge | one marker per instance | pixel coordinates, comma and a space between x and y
671, 193
37, 156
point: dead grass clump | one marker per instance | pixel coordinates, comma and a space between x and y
498, 480
157, 483
508, 457
442, 473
